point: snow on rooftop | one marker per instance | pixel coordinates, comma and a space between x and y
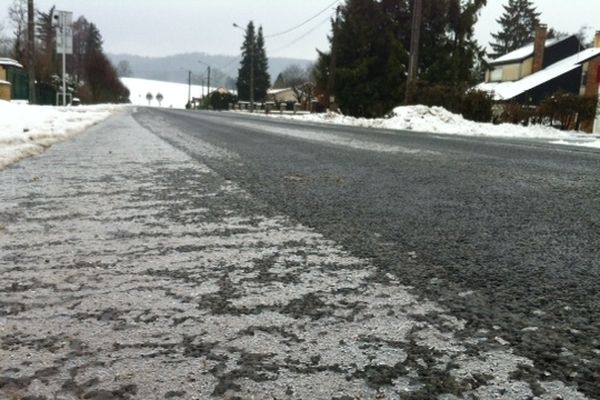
276, 91
175, 95
522, 53
509, 90
10, 61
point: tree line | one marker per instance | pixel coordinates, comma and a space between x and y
90, 75
370, 42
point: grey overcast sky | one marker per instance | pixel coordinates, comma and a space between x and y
165, 27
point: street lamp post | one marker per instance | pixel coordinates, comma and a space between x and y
189, 71
251, 69
208, 77
190, 88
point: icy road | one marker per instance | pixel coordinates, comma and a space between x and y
170, 254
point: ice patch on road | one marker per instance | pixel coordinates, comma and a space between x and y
329, 138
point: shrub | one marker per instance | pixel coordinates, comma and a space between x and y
515, 113
476, 105
221, 101
567, 109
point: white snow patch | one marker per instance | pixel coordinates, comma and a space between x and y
593, 142
26, 130
441, 121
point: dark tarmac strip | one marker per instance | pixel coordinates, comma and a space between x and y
169, 254
505, 233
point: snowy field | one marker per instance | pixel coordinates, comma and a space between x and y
175, 95
440, 121
28, 130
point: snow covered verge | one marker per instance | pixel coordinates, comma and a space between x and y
26, 130
439, 120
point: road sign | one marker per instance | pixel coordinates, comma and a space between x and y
64, 40
63, 21
62, 18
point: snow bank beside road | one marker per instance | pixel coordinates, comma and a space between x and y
26, 130
439, 120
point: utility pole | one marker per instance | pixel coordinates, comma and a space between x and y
31, 50
330, 100
208, 68
190, 88
208, 82
63, 31
415, 40
252, 75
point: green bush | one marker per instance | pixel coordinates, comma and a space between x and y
221, 101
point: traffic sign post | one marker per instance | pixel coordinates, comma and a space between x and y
63, 20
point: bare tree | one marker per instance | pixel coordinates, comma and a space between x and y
17, 15
149, 97
584, 35
124, 69
159, 98
6, 43
293, 75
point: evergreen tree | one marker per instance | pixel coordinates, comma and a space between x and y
518, 24
450, 54
372, 39
243, 80
262, 79
371, 62
279, 82
253, 49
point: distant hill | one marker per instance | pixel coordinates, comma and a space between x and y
175, 68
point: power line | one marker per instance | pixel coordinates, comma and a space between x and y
303, 23
239, 57
236, 58
303, 35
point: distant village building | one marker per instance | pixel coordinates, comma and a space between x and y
282, 95
14, 83
543, 68
302, 94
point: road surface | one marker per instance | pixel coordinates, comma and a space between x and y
171, 254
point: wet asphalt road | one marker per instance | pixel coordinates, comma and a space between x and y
515, 225
170, 254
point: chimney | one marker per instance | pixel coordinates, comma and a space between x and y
539, 46
597, 40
